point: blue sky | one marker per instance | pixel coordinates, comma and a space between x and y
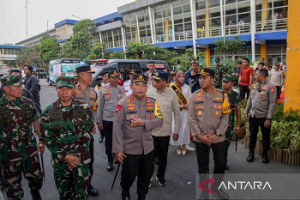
13, 19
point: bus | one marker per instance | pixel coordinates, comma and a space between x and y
66, 65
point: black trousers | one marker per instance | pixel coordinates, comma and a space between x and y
92, 157
219, 151
37, 103
161, 148
107, 129
255, 123
137, 165
278, 88
243, 91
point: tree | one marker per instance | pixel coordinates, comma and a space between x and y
10, 63
67, 50
82, 38
29, 56
185, 59
49, 50
117, 55
229, 46
99, 52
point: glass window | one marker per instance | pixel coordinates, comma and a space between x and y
200, 4
186, 8
230, 1
177, 10
214, 3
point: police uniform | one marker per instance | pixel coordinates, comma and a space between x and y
260, 106
209, 114
67, 130
127, 83
136, 142
18, 148
108, 99
88, 96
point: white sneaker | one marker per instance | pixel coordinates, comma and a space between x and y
150, 182
178, 151
183, 152
187, 147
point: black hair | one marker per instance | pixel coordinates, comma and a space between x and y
246, 60
240, 62
30, 68
104, 72
14, 70
262, 63
264, 72
151, 62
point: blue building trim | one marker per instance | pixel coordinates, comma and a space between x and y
12, 47
60, 41
111, 50
108, 18
174, 44
66, 21
275, 35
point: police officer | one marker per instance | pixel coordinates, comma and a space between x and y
235, 106
136, 115
209, 111
18, 149
67, 125
109, 97
127, 83
87, 95
219, 72
259, 109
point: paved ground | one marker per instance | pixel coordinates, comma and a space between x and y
180, 173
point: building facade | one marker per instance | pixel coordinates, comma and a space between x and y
181, 24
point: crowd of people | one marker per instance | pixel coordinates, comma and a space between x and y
138, 121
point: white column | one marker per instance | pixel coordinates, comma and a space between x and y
253, 28
100, 37
152, 26
113, 39
123, 39
222, 18
172, 17
194, 26
137, 27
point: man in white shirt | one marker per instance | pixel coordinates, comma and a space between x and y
276, 78
127, 83
151, 67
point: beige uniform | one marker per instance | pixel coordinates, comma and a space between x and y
261, 104
209, 113
88, 96
135, 140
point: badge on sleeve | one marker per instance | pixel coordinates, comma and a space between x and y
272, 88
118, 108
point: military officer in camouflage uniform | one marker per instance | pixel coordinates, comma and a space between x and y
219, 72
260, 108
87, 95
67, 125
135, 117
108, 98
18, 148
235, 105
209, 110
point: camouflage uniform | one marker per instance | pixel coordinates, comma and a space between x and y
18, 148
235, 102
66, 130
219, 71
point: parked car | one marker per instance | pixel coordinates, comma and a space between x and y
124, 66
40, 73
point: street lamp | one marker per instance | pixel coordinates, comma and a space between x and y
76, 16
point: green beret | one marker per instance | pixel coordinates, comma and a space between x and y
13, 80
64, 81
227, 78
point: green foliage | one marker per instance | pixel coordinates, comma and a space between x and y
99, 52
134, 49
67, 50
49, 49
10, 63
185, 59
117, 55
278, 112
82, 38
229, 46
29, 56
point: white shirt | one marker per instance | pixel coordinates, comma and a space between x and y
276, 77
126, 87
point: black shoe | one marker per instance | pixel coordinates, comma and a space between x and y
265, 157
110, 166
161, 181
101, 139
222, 194
141, 197
35, 195
250, 156
125, 194
226, 167
93, 191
